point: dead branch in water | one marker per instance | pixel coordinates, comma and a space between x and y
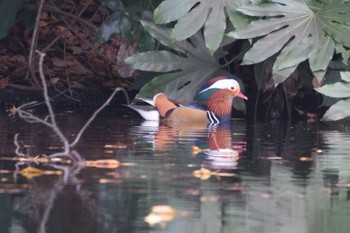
50, 119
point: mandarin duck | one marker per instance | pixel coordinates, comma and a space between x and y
214, 104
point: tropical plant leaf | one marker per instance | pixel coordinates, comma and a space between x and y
116, 23
287, 24
113, 4
8, 11
192, 15
189, 69
338, 111
163, 35
345, 53
345, 75
335, 90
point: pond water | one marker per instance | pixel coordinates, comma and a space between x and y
245, 177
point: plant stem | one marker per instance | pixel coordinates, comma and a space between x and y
236, 57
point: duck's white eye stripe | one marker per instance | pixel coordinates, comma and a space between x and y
222, 84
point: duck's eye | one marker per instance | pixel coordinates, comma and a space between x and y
232, 88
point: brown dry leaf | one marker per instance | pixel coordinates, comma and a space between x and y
54, 81
76, 50
4, 82
42, 23
77, 85
60, 62
316, 83
18, 60
111, 53
78, 68
125, 51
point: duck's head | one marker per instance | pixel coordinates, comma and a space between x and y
219, 94
230, 86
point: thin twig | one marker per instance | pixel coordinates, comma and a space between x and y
66, 69
72, 23
236, 57
18, 147
34, 40
57, 10
49, 107
93, 117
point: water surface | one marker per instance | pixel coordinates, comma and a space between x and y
246, 177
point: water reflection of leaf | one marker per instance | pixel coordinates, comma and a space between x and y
31, 172
103, 163
162, 214
205, 174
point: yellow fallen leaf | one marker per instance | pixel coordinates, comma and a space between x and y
30, 172
103, 163
202, 173
160, 214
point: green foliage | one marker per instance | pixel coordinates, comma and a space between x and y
291, 31
192, 15
8, 11
113, 4
190, 66
115, 24
122, 22
297, 30
341, 89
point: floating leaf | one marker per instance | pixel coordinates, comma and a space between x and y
161, 214
103, 163
31, 172
338, 111
202, 173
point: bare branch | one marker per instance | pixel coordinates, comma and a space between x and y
18, 147
34, 40
93, 117
49, 107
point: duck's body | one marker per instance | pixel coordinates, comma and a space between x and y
215, 100
168, 111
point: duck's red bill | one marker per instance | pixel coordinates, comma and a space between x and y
242, 96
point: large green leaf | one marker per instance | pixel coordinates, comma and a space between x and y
8, 11
345, 76
335, 90
286, 25
192, 15
113, 4
116, 23
191, 67
338, 111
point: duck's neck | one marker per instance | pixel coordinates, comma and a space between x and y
220, 103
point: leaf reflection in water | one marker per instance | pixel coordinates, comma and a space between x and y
162, 214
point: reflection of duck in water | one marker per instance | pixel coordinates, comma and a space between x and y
215, 104
220, 154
